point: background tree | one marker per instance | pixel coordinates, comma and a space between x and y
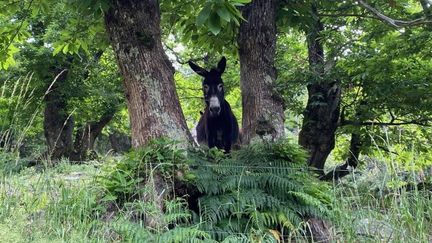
263, 113
322, 110
147, 73
63, 80
344, 29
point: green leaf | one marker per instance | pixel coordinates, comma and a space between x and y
224, 13
235, 12
85, 47
214, 23
109, 198
57, 49
203, 15
65, 49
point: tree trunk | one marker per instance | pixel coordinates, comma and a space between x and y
323, 107
351, 162
86, 136
427, 9
133, 27
153, 104
263, 113
120, 142
58, 125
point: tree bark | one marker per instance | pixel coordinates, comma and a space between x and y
321, 115
120, 142
58, 125
133, 28
86, 136
427, 9
351, 162
153, 104
263, 112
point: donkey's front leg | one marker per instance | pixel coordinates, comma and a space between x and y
227, 141
211, 139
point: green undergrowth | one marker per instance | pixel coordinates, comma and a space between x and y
261, 193
383, 202
51, 205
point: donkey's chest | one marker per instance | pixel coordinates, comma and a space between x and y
216, 133
219, 134
217, 129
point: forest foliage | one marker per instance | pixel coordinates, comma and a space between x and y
377, 53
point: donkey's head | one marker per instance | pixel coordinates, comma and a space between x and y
212, 85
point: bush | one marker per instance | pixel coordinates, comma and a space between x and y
262, 191
123, 180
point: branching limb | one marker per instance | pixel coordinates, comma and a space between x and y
397, 23
337, 15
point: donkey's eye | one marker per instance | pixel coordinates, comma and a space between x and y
206, 88
220, 87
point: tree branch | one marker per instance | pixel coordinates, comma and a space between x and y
348, 15
397, 23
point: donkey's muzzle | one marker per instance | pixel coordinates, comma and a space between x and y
214, 106
215, 110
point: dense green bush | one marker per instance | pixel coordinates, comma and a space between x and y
123, 180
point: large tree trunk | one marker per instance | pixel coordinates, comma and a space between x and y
322, 111
86, 136
154, 107
153, 104
58, 125
263, 113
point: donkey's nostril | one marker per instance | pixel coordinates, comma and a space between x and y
215, 109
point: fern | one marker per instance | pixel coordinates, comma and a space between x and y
258, 188
180, 234
251, 195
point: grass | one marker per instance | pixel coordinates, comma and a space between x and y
53, 205
371, 206
60, 205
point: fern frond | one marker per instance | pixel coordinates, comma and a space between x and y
180, 234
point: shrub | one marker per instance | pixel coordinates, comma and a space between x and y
258, 190
123, 180
262, 191
10, 162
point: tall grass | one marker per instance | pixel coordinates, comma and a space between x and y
50, 206
17, 118
375, 205
16, 97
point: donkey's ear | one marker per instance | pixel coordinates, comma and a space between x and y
199, 70
221, 65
